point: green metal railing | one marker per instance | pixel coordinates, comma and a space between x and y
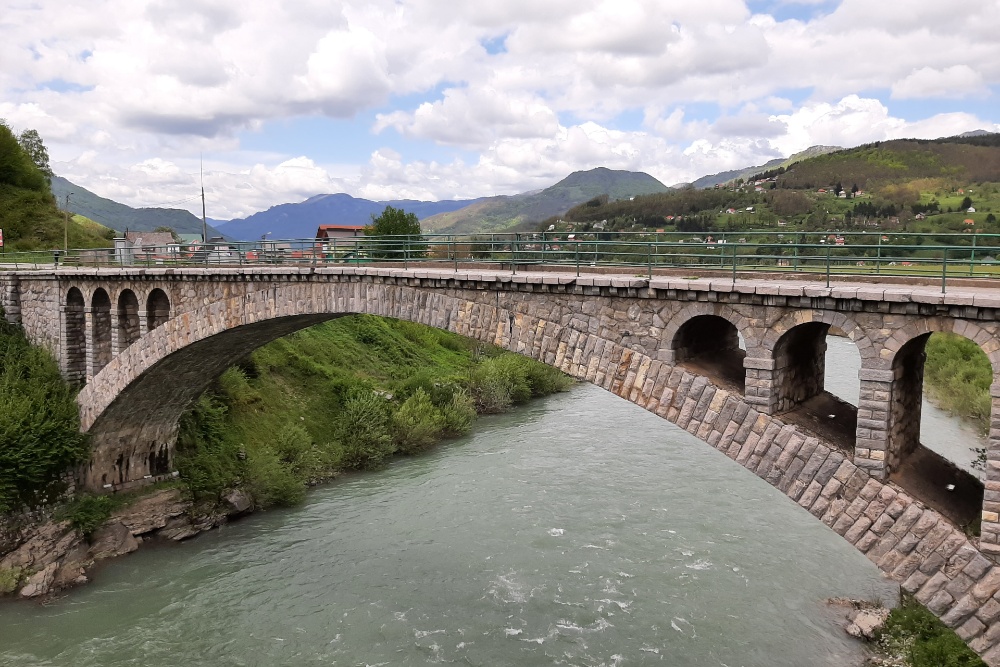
812, 255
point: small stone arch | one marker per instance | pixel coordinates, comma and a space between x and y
74, 338
869, 355
742, 324
157, 309
128, 319
100, 331
710, 345
988, 341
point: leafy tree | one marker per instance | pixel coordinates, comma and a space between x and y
31, 142
991, 219
394, 222
966, 203
16, 167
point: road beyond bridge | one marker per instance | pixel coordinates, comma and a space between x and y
738, 363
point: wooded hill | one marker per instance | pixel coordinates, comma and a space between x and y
908, 185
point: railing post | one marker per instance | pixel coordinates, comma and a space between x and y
828, 249
798, 240
972, 257
649, 260
878, 257
735, 245
406, 253
454, 253
944, 270
513, 254
577, 252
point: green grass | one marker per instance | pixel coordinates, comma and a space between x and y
916, 635
344, 395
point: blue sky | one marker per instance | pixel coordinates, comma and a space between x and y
427, 99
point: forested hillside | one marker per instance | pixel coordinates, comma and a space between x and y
947, 185
29, 217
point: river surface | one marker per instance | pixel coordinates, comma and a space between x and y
580, 530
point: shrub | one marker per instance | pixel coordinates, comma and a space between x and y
457, 415
958, 375
913, 631
417, 424
40, 435
363, 431
87, 513
10, 579
270, 481
208, 462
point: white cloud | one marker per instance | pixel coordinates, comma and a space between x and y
956, 81
127, 93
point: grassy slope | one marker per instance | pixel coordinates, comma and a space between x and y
341, 395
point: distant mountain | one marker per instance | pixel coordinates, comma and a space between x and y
974, 133
504, 212
121, 217
294, 221
726, 176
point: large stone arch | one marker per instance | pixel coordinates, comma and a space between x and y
912, 544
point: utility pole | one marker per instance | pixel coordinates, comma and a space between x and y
66, 227
204, 224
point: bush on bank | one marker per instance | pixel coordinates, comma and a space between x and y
918, 638
344, 395
958, 376
40, 437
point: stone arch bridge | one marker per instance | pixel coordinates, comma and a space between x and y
740, 364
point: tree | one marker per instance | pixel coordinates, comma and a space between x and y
966, 203
15, 166
31, 143
395, 222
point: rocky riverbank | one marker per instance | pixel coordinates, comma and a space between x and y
48, 555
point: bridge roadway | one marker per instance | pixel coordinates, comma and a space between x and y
143, 343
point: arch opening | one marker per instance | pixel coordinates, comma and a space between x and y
74, 336
802, 389
157, 309
100, 330
928, 452
711, 345
128, 319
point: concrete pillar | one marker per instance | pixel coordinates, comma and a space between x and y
872, 435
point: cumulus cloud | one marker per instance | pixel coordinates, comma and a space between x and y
955, 81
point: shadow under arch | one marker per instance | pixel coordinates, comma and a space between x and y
75, 354
100, 330
710, 345
128, 319
930, 476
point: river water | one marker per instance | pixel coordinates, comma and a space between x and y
580, 530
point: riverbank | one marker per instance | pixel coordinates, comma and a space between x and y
344, 395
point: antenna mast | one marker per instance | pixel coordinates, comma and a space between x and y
204, 224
